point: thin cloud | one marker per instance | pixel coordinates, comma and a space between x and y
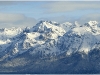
82, 20
15, 20
59, 19
90, 17
11, 17
65, 6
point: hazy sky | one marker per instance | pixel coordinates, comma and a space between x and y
28, 13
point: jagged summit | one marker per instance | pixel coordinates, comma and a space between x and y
48, 28
51, 38
82, 39
92, 24
48, 45
51, 22
44, 25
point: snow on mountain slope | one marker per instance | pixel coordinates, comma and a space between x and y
6, 35
49, 32
40, 38
82, 39
9, 33
50, 38
67, 26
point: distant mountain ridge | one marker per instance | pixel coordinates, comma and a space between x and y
50, 41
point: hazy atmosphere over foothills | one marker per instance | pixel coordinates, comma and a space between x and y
28, 13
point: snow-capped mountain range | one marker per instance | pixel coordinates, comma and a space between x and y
50, 38
51, 47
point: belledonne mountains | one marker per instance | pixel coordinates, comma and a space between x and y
51, 48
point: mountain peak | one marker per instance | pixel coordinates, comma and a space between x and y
50, 22
91, 23
50, 44
49, 32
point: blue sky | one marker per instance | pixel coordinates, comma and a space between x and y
28, 13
